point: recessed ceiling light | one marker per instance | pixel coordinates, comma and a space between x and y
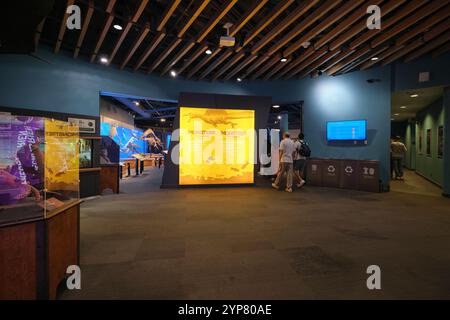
117, 27
396, 114
239, 80
279, 117
403, 107
283, 60
415, 95
374, 59
276, 106
173, 73
163, 120
104, 60
136, 103
208, 52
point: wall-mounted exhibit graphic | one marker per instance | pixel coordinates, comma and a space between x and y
39, 166
440, 142
428, 142
216, 146
85, 153
129, 140
109, 151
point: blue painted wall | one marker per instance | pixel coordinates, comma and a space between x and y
63, 84
406, 75
72, 86
344, 97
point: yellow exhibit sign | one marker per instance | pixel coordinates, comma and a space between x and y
217, 146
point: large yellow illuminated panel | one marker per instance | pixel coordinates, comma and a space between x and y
216, 146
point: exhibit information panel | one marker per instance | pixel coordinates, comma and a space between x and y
217, 146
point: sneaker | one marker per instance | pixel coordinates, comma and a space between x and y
275, 186
301, 184
288, 190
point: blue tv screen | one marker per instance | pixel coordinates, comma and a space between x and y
347, 130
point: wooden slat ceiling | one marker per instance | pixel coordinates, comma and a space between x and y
314, 36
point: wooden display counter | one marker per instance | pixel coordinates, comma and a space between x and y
109, 177
35, 254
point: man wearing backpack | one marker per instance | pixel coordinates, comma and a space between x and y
302, 152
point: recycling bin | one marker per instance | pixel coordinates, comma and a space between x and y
349, 174
314, 170
369, 176
331, 173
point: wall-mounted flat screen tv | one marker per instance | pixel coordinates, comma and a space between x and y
350, 130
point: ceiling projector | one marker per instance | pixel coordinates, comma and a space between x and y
227, 41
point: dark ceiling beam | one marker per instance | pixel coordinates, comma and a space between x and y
127, 29
345, 9
197, 53
410, 7
314, 57
351, 58
240, 66
261, 59
214, 21
251, 12
84, 28
424, 26
215, 64
290, 19
148, 51
135, 108
202, 5
362, 25
229, 64
269, 64
135, 46
302, 25
408, 22
277, 68
360, 13
291, 65
341, 56
62, 28
368, 57
279, 9
167, 14
393, 49
316, 65
163, 55
201, 63
38, 34
402, 52
444, 38
105, 29
187, 47
440, 51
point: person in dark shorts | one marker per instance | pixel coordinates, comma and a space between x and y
299, 161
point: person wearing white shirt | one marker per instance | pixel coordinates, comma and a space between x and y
287, 151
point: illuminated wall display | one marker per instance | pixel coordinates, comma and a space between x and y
216, 146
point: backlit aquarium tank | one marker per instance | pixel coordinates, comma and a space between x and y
85, 153
129, 140
38, 167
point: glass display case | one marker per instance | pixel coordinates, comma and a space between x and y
85, 153
39, 167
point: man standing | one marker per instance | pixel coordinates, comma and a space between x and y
398, 151
287, 151
299, 160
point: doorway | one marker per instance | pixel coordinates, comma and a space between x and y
417, 120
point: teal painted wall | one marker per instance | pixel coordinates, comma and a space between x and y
61, 83
430, 166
